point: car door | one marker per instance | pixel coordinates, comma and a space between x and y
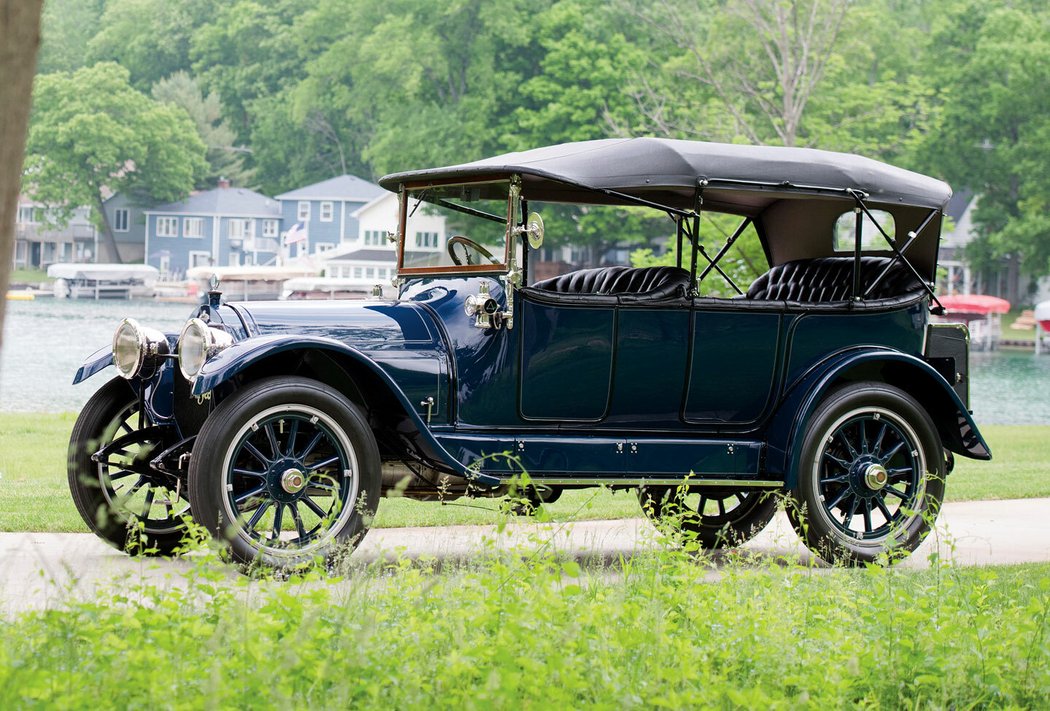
733, 363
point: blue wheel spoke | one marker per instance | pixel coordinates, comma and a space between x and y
249, 472
293, 432
899, 494
882, 507
835, 479
899, 472
298, 521
134, 487
326, 463
849, 445
278, 519
257, 516
878, 440
312, 505
149, 503
252, 450
249, 494
271, 437
867, 515
124, 473
889, 455
851, 513
838, 499
841, 462
310, 446
863, 437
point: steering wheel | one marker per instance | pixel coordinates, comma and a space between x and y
467, 245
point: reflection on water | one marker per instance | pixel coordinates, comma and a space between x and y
45, 341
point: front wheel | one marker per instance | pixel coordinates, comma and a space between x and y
121, 498
871, 475
285, 471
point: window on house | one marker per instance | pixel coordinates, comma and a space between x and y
120, 220
375, 237
870, 238
200, 259
426, 239
326, 212
323, 247
167, 227
269, 228
303, 215
241, 229
357, 272
370, 272
26, 215
193, 227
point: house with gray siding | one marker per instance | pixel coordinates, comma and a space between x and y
221, 227
39, 242
127, 219
325, 211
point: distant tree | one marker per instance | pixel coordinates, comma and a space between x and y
225, 157
756, 63
994, 137
19, 40
150, 38
91, 132
67, 28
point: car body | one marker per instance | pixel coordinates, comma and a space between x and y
825, 380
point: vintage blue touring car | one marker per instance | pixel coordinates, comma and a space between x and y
278, 426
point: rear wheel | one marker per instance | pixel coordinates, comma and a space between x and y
120, 497
871, 475
285, 471
717, 517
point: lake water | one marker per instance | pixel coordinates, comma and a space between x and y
45, 341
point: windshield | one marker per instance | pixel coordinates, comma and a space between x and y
455, 228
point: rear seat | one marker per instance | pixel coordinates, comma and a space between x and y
628, 283
829, 279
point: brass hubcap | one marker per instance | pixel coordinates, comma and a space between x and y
876, 477
293, 481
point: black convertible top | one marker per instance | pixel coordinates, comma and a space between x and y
740, 178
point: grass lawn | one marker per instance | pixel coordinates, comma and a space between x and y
34, 494
28, 276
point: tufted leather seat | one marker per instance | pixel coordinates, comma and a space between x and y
652, 283
828, 279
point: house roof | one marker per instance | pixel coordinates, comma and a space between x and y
224, 201
958, 204
342, 187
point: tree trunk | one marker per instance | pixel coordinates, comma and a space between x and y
107, 230
19, 40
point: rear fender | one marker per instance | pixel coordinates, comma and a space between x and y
252, 352
955, 425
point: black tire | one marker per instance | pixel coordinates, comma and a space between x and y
717, 517
285, 445
138, 515
871, 453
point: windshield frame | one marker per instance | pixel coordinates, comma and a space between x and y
406, 196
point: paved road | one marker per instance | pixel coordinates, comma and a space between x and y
40, 570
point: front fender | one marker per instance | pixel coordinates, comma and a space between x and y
243, 355
94, 363
955, 425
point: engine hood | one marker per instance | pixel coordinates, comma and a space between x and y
365, 325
